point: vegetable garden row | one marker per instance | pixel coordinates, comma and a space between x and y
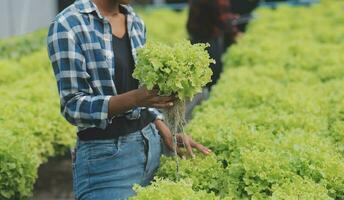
275, 120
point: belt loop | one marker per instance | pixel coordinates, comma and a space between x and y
153, 128
143, 133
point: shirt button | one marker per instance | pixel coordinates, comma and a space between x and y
107, 38
108, 56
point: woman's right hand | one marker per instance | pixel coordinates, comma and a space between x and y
150, 98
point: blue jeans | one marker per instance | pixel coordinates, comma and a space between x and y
107, 169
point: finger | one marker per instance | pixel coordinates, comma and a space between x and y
181, 144
201, 148
205, 150
189, 149
162, 105
180, 153
160, 99
185, 141
153, 92
174, 97
170, 147
165, 99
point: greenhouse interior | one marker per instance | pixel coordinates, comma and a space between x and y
172, 99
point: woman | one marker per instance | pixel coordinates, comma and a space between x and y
92, 46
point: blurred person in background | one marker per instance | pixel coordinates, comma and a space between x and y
242, 9
208, 22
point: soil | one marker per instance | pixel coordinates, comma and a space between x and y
54, 180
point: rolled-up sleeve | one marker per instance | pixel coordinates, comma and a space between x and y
78, 103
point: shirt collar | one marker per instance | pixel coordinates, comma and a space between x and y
87, 6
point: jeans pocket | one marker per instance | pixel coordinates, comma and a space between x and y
153, 140
99, 151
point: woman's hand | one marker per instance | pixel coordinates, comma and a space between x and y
150, 98
182, 141
141, 97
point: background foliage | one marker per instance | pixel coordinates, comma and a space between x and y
275, 119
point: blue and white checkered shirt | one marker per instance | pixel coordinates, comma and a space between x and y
81, 53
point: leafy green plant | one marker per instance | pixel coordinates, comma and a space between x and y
181, 69
169, 190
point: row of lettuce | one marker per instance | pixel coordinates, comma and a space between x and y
275, 120
31, 127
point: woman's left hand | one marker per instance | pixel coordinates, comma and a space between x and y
182, 141
187, 142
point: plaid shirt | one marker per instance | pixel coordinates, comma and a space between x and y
81, 53
209, 19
